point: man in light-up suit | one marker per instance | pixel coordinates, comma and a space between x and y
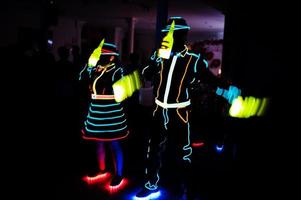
176, 73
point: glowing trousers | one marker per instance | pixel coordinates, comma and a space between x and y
169, 138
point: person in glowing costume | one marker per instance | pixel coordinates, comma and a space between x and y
106, 121
176, 73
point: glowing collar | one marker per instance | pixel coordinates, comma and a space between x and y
107, 67
183, 52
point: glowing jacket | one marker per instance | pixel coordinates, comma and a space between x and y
173, 78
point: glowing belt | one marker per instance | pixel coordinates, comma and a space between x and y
172, 105
97, 96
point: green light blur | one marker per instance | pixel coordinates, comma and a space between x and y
248, 107
167, 43
94, 57
126, 86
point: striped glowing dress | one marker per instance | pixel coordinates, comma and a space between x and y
106, 119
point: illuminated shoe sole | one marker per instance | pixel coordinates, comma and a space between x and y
101, 177
116, 188
151, 196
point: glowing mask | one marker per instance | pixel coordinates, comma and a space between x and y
166, 45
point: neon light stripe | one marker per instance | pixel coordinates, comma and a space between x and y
187, 94
177, 27
98, 178
90, 69
108, 70
185, 121
173, 105
106, 51
167, 88
109, 44
166, 119
166, 113
197, 60
155, 110
105, 112
102, 97
192, 80
200, 144
159, 59
80, 74
160, 80
113, 76
154, 55
147, 155
105, 118
176, 17
117, 188
206, 63
150, 186
152, 196
106, 131
181, 83
94, 82
148, 150
144, 69
187, 147
193, 54
107, 105
102, 139
183, 52
111, 124
116, 54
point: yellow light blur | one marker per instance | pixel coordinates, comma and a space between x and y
167, 43
126, 86
94, 57
248, 107
119, 92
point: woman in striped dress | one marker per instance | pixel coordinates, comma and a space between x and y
106, 121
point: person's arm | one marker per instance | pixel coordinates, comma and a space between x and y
152, 67
216, 84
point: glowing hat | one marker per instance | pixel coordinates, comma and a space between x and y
109, 49
180, 24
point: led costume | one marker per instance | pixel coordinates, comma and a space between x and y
173, 69
106, 121
175, 72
